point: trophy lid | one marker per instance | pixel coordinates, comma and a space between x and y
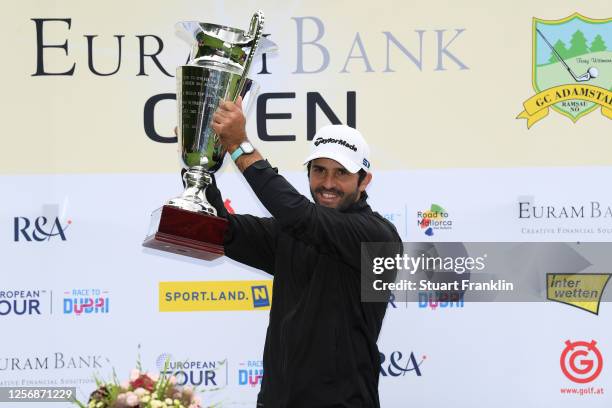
192, 31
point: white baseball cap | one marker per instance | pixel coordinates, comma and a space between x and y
342, 144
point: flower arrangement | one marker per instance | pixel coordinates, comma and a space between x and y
143, 390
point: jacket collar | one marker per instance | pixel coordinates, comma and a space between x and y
359, 205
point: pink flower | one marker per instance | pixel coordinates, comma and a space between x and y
132, 400
134, 374
153, 376
143, 382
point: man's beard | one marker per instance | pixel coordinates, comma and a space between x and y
346, 199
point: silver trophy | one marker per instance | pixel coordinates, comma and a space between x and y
217, 70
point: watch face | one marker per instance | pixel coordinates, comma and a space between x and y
247, 147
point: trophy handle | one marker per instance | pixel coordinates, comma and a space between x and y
255, 31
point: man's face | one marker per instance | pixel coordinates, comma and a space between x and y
333, 186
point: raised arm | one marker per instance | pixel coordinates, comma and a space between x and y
249, 240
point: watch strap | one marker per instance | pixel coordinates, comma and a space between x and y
236, 153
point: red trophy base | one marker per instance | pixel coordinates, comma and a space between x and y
188, 233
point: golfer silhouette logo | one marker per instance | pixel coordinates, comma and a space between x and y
571, 68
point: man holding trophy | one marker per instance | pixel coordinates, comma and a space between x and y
320, 348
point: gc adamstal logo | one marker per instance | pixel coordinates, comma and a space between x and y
571, 68
581, 362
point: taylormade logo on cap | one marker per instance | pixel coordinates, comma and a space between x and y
342, 144
330, 140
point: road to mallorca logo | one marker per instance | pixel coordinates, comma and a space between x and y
571, 68
582, 290
436, 218
581, 362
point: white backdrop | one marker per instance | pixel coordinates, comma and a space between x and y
440, 113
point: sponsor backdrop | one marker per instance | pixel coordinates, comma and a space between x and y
487, 122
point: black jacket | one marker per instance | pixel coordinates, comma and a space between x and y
320, 348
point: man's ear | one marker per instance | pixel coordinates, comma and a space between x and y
364, 183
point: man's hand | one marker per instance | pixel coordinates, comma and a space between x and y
229, 124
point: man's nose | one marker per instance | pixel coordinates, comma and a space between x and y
329, 182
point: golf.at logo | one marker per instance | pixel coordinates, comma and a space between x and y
581, 362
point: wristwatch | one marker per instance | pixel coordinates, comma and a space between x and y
245, 148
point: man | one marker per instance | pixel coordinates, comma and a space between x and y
320, 349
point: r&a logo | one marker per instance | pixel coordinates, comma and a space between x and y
41, 229
398, 365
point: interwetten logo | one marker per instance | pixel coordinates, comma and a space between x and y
583, 290
215, 296
78, 302
573, 81
23, 302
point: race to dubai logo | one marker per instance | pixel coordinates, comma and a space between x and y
571, 68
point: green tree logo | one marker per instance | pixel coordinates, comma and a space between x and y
598, 44
578, 45
561, 49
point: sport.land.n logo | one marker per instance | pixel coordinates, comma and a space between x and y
571, 68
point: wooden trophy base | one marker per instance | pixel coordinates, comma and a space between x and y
188, 233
